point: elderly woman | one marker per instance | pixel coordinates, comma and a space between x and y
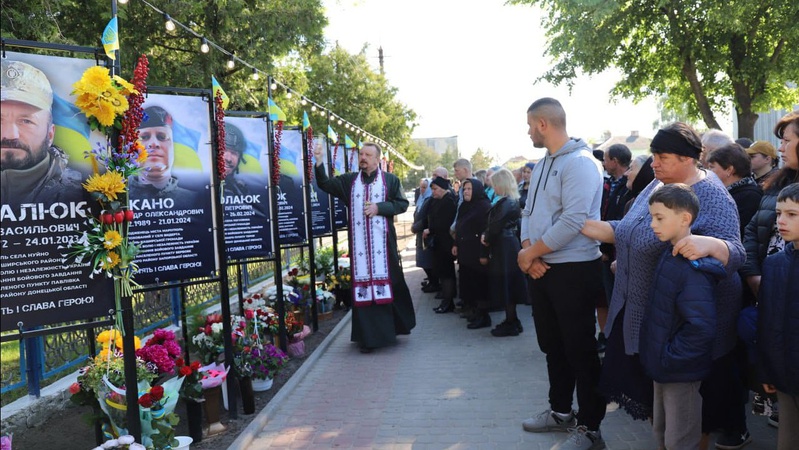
676, 150
733, 166
439, 220
473, 279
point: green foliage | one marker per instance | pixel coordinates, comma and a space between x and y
697, 55
481, 160
425, 157
448, 158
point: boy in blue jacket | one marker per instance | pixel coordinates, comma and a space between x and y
680, 323
778, 321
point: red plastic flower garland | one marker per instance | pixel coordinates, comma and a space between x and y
276, 153
335, 157
309, 158
135, 113
220, 135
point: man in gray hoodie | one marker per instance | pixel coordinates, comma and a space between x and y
565, 191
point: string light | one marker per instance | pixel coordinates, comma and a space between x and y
122, 2
205, 47
170, 26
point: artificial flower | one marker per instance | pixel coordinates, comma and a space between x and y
109, 184
110, 261
112, 239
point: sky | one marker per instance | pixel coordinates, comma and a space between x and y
469, 68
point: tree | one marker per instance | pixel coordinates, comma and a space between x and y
481, 159
427, 158
258, 31
700, 53
448, 158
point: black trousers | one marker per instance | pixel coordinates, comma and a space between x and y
563, 312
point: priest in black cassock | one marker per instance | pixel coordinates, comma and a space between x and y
382, 305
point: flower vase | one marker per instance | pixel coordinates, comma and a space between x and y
247, 395
183, 442
194, 417
259, 385
212, 407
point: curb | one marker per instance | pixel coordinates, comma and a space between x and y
248, 434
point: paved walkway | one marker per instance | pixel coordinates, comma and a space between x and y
442, 387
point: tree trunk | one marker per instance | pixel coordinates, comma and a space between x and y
746, 124
689, 70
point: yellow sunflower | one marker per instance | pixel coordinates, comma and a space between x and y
94, 81
110, 261
125, 87
112, 239
110, 184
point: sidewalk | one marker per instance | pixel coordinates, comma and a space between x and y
442, 387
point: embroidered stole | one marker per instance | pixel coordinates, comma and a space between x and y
370, 273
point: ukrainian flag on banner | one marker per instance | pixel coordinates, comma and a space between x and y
360, 144
251, 160
348, 142
218, 88
110, 38
71, 132
306, 123
331, 134
187, 143
275, 113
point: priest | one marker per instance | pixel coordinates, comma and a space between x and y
382, 305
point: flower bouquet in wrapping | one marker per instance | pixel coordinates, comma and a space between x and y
213, 375
208, 342
156, 411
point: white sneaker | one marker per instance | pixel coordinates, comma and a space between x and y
550, 421
581, 439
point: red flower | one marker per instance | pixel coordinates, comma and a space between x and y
146, 401
305, 287
195, 365
157, 393
185, 371
179, 362
74, 388
249, 314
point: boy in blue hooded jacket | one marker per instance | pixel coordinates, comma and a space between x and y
679, 326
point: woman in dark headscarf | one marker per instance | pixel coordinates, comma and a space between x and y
439, 219
473, 280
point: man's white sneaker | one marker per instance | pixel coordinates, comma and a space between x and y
550, 421
581, 439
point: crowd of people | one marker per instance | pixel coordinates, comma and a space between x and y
683, 259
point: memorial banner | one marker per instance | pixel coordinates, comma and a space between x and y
339, 208
245, 198
43, 206
290, 200
320, 201
171, 198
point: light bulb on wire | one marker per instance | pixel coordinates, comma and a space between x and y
273, 86
170, 25
313, 108
122, 2
255, 75
231, 63
288, 92
304, 101
204, 46
339, 121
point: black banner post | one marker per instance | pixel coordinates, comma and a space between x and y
306, 162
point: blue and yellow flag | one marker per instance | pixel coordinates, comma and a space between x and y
331, 134
218, 88
110, 38
275, 113
360, 144
348, 142
306, 123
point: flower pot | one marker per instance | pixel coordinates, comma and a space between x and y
183, 442
261, 385
247, 395
212, 407
194, 417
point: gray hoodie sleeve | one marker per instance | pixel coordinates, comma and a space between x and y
581, 196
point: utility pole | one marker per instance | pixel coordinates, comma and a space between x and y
380, 58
